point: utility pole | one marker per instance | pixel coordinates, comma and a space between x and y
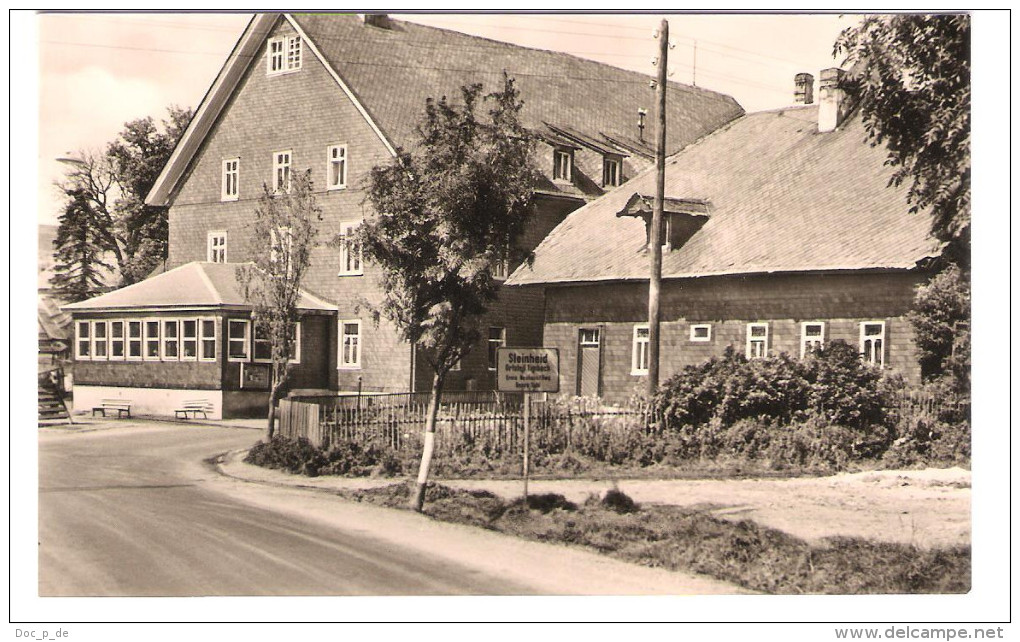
655, 281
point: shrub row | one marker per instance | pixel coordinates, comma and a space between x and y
300, 457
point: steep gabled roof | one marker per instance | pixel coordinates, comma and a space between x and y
394, 70
781, 197
196, 285
389, 73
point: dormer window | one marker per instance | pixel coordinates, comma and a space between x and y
563, 165
611, 173
681, 217
283, 54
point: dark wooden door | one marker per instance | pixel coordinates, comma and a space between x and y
589, 362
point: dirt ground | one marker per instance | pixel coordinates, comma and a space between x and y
927, 508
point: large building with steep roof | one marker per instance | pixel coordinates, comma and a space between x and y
340, 94
782, 232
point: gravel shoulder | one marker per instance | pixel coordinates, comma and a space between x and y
927, 508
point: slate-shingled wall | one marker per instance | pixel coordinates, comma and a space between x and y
842, 301
305, 112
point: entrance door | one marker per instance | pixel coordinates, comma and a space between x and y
589, 358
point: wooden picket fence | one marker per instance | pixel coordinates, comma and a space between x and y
490, 423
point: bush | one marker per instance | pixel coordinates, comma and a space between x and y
619, 502
299, 456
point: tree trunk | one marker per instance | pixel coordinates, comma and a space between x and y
418, 498
271, 419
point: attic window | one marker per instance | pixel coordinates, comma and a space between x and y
610, 171
681, 217
283, 54
563, 165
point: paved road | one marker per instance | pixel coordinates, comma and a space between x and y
133, 511
127, 512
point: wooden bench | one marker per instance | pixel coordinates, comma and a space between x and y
194, 406
122, 406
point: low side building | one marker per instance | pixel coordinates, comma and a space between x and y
781, 232
185, 335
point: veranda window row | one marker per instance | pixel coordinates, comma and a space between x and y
193, 339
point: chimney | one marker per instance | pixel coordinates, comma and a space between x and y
832, 101
380, 20
804, 86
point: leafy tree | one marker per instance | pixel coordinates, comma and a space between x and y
941, 322
283, 235
78, 250
911, 76
114, 183
450, 209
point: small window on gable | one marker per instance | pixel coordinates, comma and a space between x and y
757, 340
336, 171
639, 353
611, 171
216, 247
563, 165
283, 54
281, 171
231, 172
873, 342
350, 250
812, 336
701, 332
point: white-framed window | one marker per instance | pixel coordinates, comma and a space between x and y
83, 340
588, 337
207, 329
238, 338
757, 340
231, 173
216, 246
100, 345
873, 342
563, 165
456, 366
150, 328
350, 344
610, 172
189, 339
283, 54
497, 340
134, 340
262, 345
701, 332
336, 167
171, 340
281, 171
812, 336
351, 254
501, 268
117, 340
639, 352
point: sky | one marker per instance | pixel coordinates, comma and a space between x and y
98, 71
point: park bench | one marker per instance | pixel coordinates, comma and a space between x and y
122, 406
194, 406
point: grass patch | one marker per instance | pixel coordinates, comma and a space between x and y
682, 539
